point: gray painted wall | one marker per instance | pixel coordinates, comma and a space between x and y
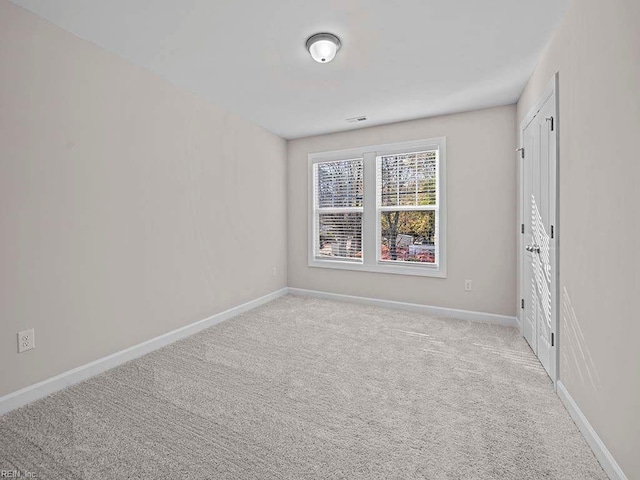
596, 50
128, 207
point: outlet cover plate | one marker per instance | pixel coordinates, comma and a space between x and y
26, 340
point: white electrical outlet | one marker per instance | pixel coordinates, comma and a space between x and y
467, 285
26, 340
274, 271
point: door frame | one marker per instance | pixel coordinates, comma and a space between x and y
552, 89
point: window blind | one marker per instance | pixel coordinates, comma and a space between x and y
408, 179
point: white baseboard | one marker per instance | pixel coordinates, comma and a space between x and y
601, 452
39, 390
413, 307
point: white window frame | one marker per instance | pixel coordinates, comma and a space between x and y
370, 218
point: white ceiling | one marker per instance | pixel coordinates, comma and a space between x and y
399, 60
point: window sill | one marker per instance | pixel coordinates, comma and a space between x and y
417, 271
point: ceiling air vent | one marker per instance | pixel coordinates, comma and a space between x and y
361, 118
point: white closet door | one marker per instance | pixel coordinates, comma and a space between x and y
539, 142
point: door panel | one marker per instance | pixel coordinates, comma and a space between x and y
539, 164
530, 302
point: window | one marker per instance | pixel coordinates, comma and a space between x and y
338, 209
380, 209
406, 199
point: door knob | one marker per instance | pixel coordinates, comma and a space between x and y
532, 248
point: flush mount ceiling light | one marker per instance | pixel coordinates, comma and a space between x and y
323, 47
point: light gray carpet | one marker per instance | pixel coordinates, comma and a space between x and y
305, 388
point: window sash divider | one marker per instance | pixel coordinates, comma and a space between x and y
408, 208
338, 210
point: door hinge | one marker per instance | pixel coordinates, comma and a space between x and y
522, 303
552, 339
551, 231
521, 150
522, 228
550, 119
